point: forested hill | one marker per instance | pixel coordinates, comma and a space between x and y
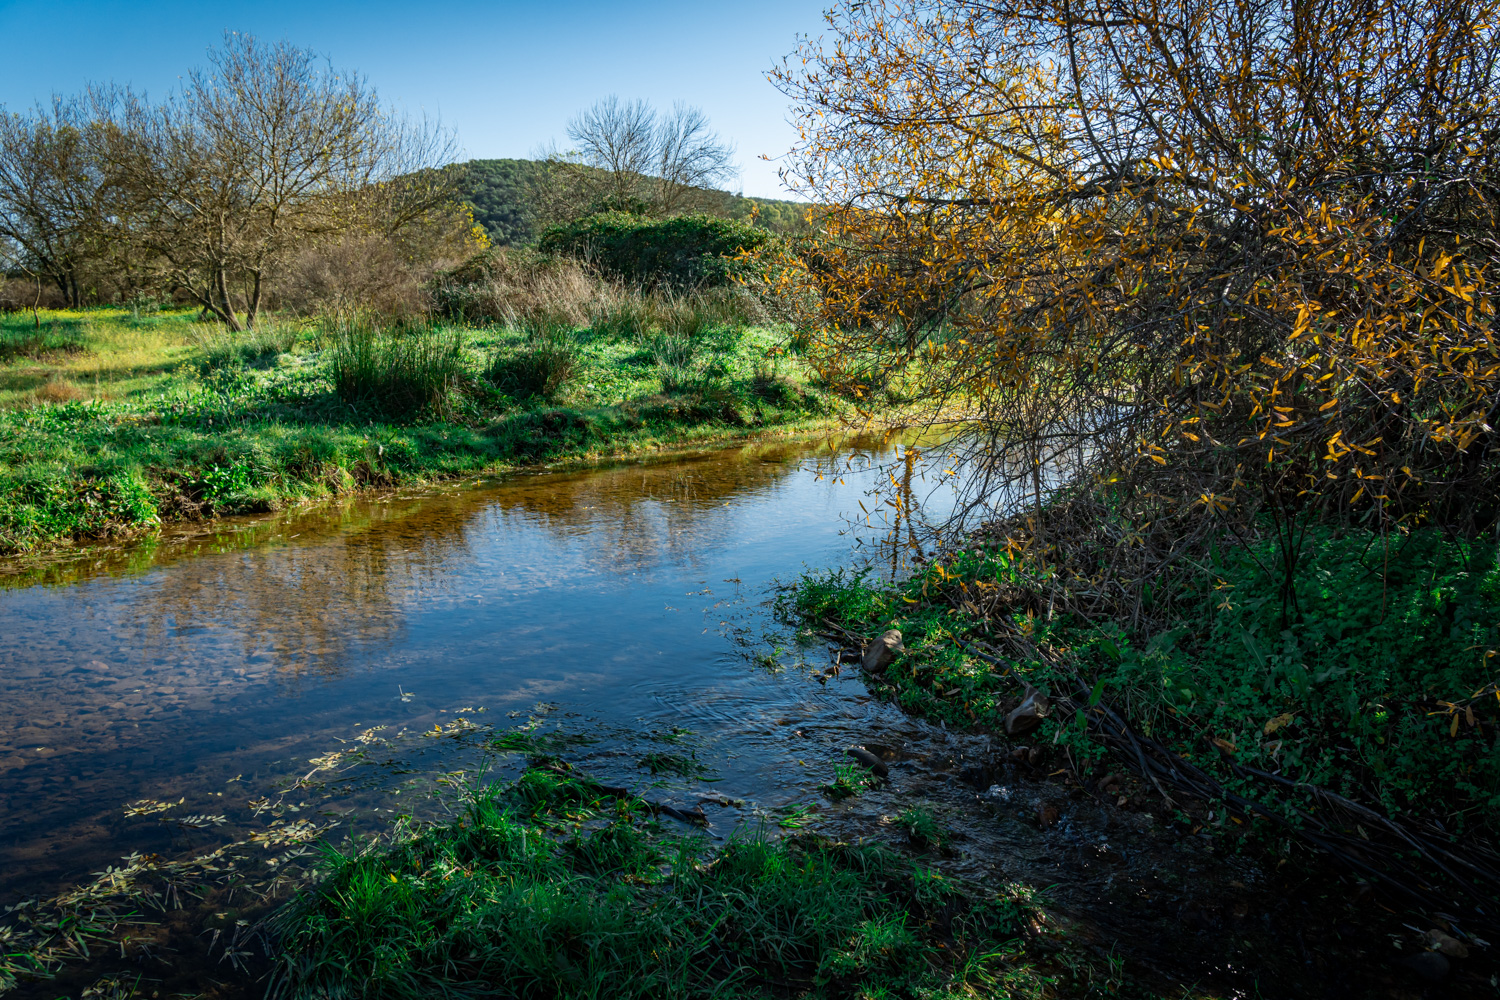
499, 192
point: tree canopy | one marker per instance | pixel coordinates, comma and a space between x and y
1248, 241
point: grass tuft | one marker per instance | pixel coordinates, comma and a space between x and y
406, 371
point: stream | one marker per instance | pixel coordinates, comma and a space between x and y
628, 606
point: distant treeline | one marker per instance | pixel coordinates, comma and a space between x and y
515, 200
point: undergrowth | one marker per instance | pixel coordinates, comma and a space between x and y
1381, 686
543, 888
159, 418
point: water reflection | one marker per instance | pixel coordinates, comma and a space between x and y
179, 664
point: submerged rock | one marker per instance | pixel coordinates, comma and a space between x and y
869, 761
880, 652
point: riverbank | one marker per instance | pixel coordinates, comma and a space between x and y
1354, 717
113, 422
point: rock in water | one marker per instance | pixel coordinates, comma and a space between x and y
1028, 715
1428, 965
869, 761
880, 652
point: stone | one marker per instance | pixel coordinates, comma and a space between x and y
869, 761
1431, 966
1447, 944
880, 652
1046, 814
1028, 715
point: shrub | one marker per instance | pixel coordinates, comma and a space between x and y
504, 285
355, 272
408, 370
688, 251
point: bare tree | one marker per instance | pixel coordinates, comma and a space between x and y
49, 193
644, 160
263, 154
618, 138
690, 156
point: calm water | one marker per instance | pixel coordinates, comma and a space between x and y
633, 598
631, 604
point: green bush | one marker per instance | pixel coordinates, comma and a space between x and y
406, 371
684, 252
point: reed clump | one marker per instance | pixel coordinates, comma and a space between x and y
546, 363
407, 369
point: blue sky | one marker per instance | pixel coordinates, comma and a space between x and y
506, 76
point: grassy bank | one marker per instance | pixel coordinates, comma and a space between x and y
1375, 679
112, 421
548, 887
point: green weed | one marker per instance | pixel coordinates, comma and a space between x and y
501, 901
848, 780
922, 828
1382, 687
224, 348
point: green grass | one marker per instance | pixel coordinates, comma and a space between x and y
1382, 686
120, 421
544, 889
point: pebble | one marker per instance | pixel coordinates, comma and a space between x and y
1447, 944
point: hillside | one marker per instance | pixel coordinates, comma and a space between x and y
500, 193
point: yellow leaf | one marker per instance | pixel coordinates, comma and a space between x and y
1278, 722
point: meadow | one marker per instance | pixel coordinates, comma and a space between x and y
113, 420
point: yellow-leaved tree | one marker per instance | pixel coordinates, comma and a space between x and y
1232, 255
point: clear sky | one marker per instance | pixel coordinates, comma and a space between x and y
505, 75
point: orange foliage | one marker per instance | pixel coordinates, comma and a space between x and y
1247, 241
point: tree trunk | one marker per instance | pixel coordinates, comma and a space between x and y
228, 308
252, 309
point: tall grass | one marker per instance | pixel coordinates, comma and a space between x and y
544, 366
224, 348
411, 369
506, 286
